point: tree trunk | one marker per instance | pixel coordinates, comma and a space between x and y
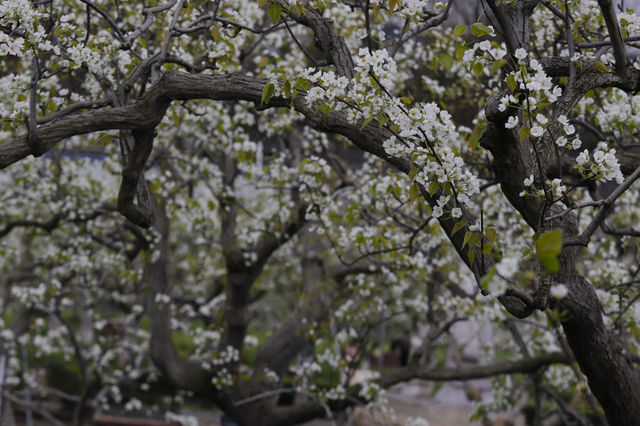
602, 355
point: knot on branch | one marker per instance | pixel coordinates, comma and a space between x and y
518, 303
36, 145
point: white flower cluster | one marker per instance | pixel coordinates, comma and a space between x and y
416, 421
226, 356
539, 88
336, 393
506, 269
181, 419
84, 55
271, 376
555, 186
133, 404
204, 338
369, 389
629, 21
587, 14
367, 98
602, 165
619, 114
377, 62
222, 379
38, 295
332, 91
213, 305
561, 377
20, 16
250, 340
314, 172
482, 55
307, 369
449, 168
559, 291
162, 299
412, 9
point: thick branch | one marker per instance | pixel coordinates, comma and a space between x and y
525, 365
619, 51
139, 214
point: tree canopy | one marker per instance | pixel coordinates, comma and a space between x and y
222, 200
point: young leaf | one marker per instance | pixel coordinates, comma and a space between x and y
267, 92
601, 67
495, 67
446, 61
458, 226
459, 30
414, 191
274, 11
548, 247
472, 255
511, 82
473, 240
287, 88
467, 235
433, 187
479, 29
491, 234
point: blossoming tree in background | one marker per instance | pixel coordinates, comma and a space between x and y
228, 195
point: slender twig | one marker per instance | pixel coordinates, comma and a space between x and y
572, 65
584, 238
106, 17
307, 54
597, 203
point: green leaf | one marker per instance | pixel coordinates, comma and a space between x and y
524, 133
458, 226
446, 61
474, 138
473, 240
487, 278
491, 234
406, 101
511, 82
394, 4
601, 67
467, 235
413, 173
287, 88
459, 30
479, 29
267, 92
472, 255
478, 69
367, 121
433, 187
495, 67
548, 247
414, 191
274, 11
486, 249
